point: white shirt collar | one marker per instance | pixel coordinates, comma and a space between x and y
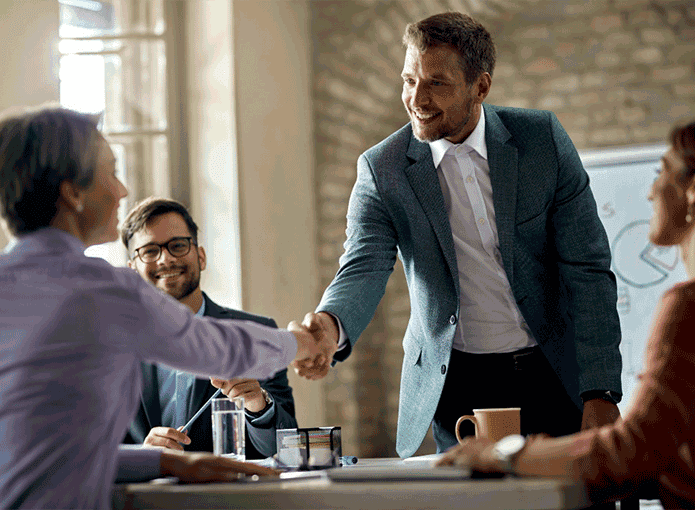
476, 141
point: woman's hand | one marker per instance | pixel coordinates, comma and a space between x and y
472, 453
206, 467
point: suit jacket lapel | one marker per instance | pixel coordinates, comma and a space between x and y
150, 393
503, 163
422, 176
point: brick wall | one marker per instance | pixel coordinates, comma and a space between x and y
616, 72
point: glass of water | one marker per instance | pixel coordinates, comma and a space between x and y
229, 428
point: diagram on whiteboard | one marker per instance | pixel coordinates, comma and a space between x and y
636, 261
643, 271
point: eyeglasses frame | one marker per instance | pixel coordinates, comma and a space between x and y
162, 246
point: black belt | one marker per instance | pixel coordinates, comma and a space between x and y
499, 359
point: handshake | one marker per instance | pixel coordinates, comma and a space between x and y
317, 341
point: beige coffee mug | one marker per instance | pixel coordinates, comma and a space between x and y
493, 423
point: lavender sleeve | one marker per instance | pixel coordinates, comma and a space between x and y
165, 331
138, 464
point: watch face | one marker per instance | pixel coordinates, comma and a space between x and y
510, 445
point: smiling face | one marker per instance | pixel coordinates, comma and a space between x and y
98, 221
439, 101
178, 277
669, 197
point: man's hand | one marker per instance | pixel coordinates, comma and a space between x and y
250, 389
599, 412
323, 328
167, 437
205, 467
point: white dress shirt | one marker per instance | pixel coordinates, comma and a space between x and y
489, 318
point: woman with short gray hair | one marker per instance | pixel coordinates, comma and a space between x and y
73, 329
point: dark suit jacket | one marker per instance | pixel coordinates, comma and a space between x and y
260, 432
554, 250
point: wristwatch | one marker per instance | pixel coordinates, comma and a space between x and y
268, 399
506, 451
607, 395
268, 403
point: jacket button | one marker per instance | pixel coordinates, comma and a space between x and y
452, 319
443, 369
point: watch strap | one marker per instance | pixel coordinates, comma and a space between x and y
607, 395
268, 402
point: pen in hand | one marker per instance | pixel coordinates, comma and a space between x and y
205, 406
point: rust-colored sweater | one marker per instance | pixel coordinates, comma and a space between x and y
652, 445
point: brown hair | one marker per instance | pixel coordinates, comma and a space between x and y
470, 39
683, 141
153, 207
39, 149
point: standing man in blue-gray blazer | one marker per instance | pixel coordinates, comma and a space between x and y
513, 303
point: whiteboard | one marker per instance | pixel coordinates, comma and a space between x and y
620, 181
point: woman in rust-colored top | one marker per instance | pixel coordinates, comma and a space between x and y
652, 446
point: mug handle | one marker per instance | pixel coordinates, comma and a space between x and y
468, 417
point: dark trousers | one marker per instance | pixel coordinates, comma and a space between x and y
522, 379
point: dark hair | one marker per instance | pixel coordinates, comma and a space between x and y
150, 208
683, 141
470, 39
39, 149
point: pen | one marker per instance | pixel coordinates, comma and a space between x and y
348, 460
205, 406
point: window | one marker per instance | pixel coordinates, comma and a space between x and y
113, 60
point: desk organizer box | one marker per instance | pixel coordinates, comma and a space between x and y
309, 448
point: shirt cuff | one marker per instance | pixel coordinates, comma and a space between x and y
137, 464
263, 419
342, 338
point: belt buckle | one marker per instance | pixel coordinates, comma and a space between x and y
520, 356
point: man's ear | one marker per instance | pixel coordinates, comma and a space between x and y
202, 258
131, 264
483, 85
72, 196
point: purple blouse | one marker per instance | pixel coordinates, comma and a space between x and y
73, 331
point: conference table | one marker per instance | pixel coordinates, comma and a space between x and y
366, 493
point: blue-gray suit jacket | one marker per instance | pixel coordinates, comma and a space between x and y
260, 432
554, 250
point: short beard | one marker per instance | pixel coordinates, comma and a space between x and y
187, 290
443, 132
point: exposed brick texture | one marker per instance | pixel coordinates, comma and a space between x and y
616, 72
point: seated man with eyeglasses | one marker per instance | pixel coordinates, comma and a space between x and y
162, 243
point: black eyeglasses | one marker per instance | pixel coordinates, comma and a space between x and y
177, 247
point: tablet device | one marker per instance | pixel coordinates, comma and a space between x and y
399, 472
303, 475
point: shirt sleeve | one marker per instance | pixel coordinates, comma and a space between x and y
342, 335
655, 441
137, 464
168, 332
263, 419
